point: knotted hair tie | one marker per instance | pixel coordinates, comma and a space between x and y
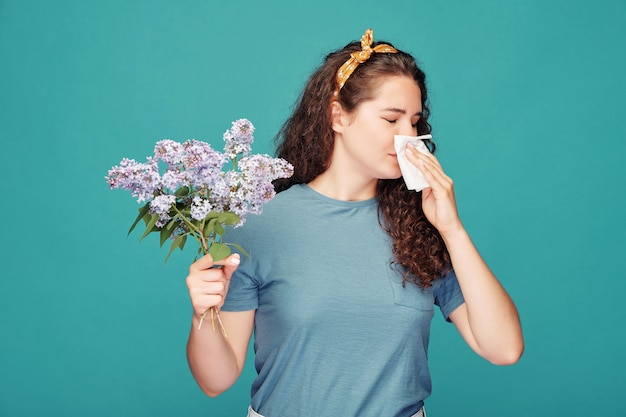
360, 57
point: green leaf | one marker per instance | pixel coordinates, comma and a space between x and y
142, 212
212, 215
147, 217
167, 231
199, 253
219, 251
219, 230
179, 242
150, 227
240, 249
209, 228
182, 192
183, 208
228, 218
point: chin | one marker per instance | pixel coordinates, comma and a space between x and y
392, 175
395, 173
389, 171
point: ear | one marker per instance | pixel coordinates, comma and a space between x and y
338, 117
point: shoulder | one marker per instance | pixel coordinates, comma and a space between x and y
286, 205
283, 204
294, 193
280, 210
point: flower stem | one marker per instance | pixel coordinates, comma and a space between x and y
197, 232
215, 311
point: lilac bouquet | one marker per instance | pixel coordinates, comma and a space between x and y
188, 192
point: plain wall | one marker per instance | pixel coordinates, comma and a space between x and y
527, 102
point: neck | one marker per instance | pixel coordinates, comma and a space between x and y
339, 186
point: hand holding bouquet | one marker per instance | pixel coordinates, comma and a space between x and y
188, 192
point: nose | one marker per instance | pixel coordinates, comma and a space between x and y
407, 129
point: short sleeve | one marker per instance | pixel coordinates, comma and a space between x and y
448, 295
243, 291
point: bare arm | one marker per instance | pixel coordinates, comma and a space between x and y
488, 320
216, 361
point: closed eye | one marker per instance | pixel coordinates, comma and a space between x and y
391, 121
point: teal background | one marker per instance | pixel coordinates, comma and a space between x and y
527, 103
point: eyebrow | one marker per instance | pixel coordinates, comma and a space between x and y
402, 111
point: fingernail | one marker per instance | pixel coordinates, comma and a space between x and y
235, 260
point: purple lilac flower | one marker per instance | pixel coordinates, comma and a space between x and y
219, 192
202, 163
263, 193
174, 178
200, 207
232, 180
141, 179
281, 168
169, 151
252, 187
239, 138
161, 205
200, 154
264, 168
242, 130
194, 164
255, 193
238, 205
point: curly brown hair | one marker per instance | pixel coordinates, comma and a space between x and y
306, 140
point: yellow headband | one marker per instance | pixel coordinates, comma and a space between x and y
357, 58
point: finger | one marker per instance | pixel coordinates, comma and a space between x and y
229, 261
208, 301
419, 159
431, 164
415, 155
206, 282
230, 264
433, 174
208, 293
206, 262
433, 159
429, 160
413, 152
212, 288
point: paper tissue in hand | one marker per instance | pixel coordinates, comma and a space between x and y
412, 175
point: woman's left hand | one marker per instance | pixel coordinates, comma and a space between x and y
488, 319
438, 202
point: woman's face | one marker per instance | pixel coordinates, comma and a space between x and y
364, 142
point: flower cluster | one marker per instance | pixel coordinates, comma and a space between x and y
188, 191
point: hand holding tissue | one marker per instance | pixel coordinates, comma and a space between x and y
412, 175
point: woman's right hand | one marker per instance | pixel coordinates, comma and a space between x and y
216, 360
208, 282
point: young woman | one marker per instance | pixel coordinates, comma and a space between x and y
346, 264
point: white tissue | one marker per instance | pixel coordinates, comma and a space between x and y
413, 177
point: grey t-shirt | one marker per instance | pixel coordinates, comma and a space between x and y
336, 333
